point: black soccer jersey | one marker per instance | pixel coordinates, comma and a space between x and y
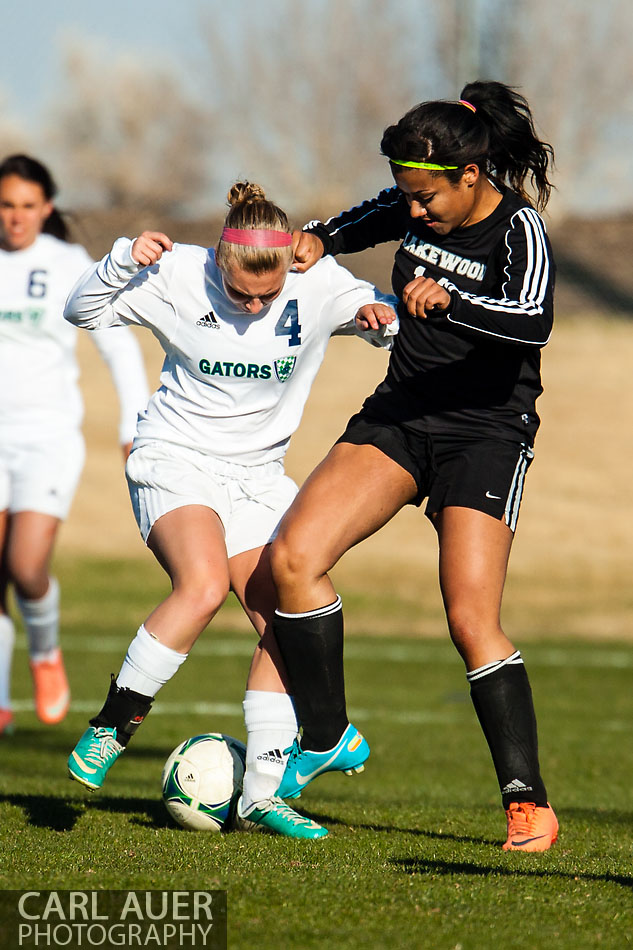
473, 368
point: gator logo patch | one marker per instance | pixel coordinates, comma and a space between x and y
284, 368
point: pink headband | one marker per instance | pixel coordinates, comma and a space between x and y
468, 105
256, 237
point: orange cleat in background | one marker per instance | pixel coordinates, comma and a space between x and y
7, 725
52, 694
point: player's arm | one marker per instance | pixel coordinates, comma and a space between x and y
356, 307
372, 222
123, 289
122, 355
523, 313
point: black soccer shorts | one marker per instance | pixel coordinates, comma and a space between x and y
451, 470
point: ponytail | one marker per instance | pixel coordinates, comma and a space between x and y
515, 152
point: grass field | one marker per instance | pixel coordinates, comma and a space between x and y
413, 858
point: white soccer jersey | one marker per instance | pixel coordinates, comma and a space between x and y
233, 385
38, 369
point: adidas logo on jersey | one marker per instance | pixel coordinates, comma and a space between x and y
209, 321
273, 756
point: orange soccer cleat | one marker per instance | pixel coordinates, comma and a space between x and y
530, 828
6, 722
52, 695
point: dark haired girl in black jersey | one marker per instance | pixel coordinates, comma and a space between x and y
453, 421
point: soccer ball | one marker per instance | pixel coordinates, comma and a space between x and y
202, 781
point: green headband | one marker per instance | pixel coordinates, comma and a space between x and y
428, 165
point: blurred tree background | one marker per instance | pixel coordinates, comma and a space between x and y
296, 96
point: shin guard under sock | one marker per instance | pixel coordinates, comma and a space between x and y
502, 698
311, 645
123, 710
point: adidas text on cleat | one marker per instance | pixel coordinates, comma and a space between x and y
349, 756
93, 755
279, 818
530, 828
52, 695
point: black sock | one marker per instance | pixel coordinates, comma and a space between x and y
502, 699
312, 649
124, 710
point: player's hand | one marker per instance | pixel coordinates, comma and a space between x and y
126, 448
423, 295
149, 246
372, 316
307, 249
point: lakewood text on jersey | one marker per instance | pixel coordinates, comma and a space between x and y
443, 259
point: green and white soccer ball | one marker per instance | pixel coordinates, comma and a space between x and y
202, 781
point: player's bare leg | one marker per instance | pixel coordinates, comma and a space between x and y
350, 495
188, 542
7, 638
29, 547
252, 583
474, 552
353, 492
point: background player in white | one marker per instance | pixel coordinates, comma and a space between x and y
41, 446
243, 339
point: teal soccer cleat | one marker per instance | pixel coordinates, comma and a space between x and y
93, 755
279, 818
348, 756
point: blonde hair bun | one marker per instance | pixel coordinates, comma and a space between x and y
245, 191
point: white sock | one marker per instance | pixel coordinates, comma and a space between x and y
7, 639
41, 619
271, 727
148, 664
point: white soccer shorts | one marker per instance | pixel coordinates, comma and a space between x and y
250, 500
41, 475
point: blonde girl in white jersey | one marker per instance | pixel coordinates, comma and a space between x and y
41, 446
243, 340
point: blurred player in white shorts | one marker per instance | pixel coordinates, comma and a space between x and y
244, 338
41, 476
41, 445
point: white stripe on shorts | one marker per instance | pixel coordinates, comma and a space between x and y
513, 504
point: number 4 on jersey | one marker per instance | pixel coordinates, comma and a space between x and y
288, 324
